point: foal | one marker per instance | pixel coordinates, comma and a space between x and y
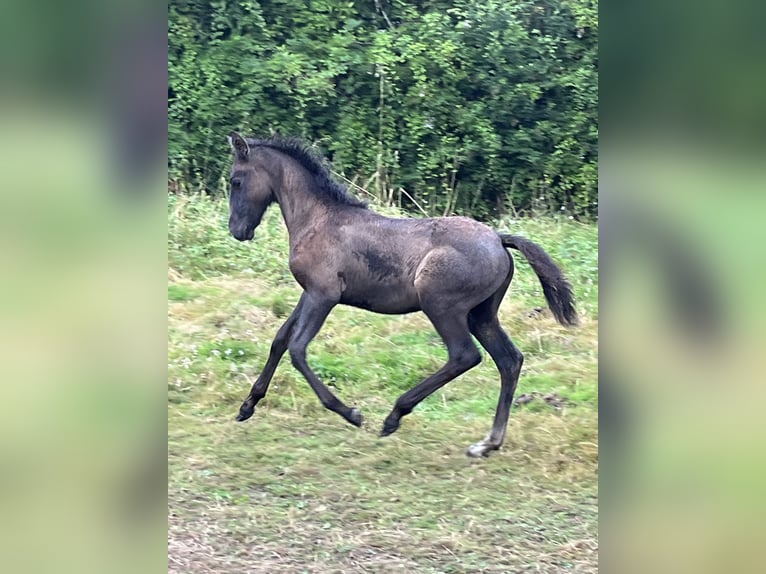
454, 269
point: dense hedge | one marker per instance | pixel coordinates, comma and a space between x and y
472, 106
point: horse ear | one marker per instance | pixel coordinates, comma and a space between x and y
240, 146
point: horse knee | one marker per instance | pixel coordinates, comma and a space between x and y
278, 347
297, 355
279, 343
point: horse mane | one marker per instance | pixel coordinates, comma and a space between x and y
324, 183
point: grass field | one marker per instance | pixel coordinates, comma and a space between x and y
297, 489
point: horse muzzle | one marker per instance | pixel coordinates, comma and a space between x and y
241, 232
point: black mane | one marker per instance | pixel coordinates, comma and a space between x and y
315, 164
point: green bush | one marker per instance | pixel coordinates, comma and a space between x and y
475, 107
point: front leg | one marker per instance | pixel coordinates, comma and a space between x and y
278, 348
315, 310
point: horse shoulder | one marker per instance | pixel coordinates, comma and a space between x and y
312, 263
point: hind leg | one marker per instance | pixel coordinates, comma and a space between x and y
486, 328
508, 359
463, 355
449, 284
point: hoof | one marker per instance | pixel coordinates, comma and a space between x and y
355, 417
245, 412
480, 449
389, 427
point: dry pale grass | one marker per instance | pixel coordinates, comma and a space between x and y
296, 489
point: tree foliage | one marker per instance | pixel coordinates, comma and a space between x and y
475, 107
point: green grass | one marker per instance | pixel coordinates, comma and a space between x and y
297, 489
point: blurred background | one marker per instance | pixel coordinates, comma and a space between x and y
681, 188
83, 328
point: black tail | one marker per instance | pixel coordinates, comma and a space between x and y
557, 290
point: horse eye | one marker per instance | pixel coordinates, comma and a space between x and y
235, 182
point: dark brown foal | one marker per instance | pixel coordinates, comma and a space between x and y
454, 269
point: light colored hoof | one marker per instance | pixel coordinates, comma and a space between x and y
482, 448
355, 417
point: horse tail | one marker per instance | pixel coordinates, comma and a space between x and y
557, 290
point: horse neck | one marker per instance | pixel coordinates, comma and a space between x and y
299, 205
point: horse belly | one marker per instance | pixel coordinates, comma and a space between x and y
380, 279
382, 298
